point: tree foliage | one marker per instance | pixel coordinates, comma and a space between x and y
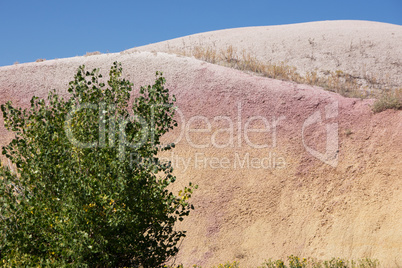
73, 195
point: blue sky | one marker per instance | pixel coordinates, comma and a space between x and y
57, 29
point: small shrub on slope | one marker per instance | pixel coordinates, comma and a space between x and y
387, 101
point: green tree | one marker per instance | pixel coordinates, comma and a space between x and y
86, 187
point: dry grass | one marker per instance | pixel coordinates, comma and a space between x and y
336, 81
388, 100
40, 60
92, 53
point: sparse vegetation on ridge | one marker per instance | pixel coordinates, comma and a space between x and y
92, 53
389, 97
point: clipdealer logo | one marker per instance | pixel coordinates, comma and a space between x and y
236, 131
330, 156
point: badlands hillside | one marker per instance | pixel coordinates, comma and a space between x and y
282, 168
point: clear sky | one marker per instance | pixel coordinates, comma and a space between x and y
57, 29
